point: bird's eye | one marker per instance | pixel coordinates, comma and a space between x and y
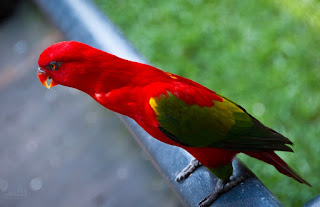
53, 65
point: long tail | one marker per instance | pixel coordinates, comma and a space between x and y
271, 158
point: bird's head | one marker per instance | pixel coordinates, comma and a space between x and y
68, 63
88, 69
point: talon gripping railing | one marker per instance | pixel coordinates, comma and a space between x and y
82, 21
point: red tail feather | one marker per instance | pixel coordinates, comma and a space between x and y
271, 158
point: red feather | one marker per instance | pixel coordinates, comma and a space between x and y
126, 87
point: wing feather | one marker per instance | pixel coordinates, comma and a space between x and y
220, 123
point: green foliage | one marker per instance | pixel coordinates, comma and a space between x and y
263, 55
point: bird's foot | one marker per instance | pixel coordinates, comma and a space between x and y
187, 171
221, 188
218, 190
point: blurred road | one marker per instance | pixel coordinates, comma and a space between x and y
58, 147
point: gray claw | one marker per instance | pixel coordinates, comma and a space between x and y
222, 188
187, 171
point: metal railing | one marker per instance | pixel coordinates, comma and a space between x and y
82, 21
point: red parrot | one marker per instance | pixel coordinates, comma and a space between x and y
171, 108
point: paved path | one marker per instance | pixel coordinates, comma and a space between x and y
58, 147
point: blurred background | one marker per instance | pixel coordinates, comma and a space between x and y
264, 55
60, 148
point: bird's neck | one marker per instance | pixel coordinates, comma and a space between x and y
122, 73
118, 85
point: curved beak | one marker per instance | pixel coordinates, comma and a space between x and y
43, 77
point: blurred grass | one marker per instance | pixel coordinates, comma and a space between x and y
263, 55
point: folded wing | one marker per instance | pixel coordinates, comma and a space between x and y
221, 124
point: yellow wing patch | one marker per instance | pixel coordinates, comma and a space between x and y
224, 112
222, 115
171, 75
231, 105
153, 105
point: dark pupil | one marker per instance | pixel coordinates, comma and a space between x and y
53, 66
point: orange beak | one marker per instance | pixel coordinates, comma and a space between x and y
43, 77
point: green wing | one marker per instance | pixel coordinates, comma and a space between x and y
223, 125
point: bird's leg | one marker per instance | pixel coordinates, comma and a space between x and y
218, 190
221, 188
187, 171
